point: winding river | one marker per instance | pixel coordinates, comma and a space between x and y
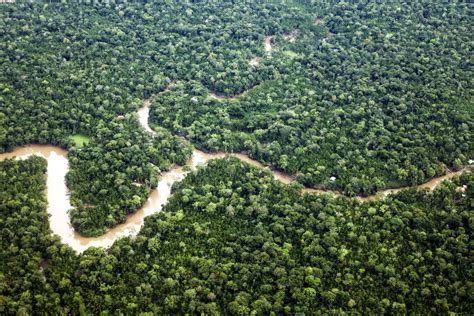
58, 196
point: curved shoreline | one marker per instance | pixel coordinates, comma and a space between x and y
59, 203
286, 178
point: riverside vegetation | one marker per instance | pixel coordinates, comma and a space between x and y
354, 97
59, 203
233, 240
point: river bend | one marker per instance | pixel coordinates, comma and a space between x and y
58, 195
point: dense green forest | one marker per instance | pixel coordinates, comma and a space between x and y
116, 187
375, 95
335, 93
354, 96
77, 68
232, 240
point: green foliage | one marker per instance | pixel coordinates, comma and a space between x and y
104, 173
366, 99
82, 69
370, 94
233, 240
28, 250
80, 140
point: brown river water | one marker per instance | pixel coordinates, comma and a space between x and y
58, 196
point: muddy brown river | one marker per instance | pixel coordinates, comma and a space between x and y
58, 196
